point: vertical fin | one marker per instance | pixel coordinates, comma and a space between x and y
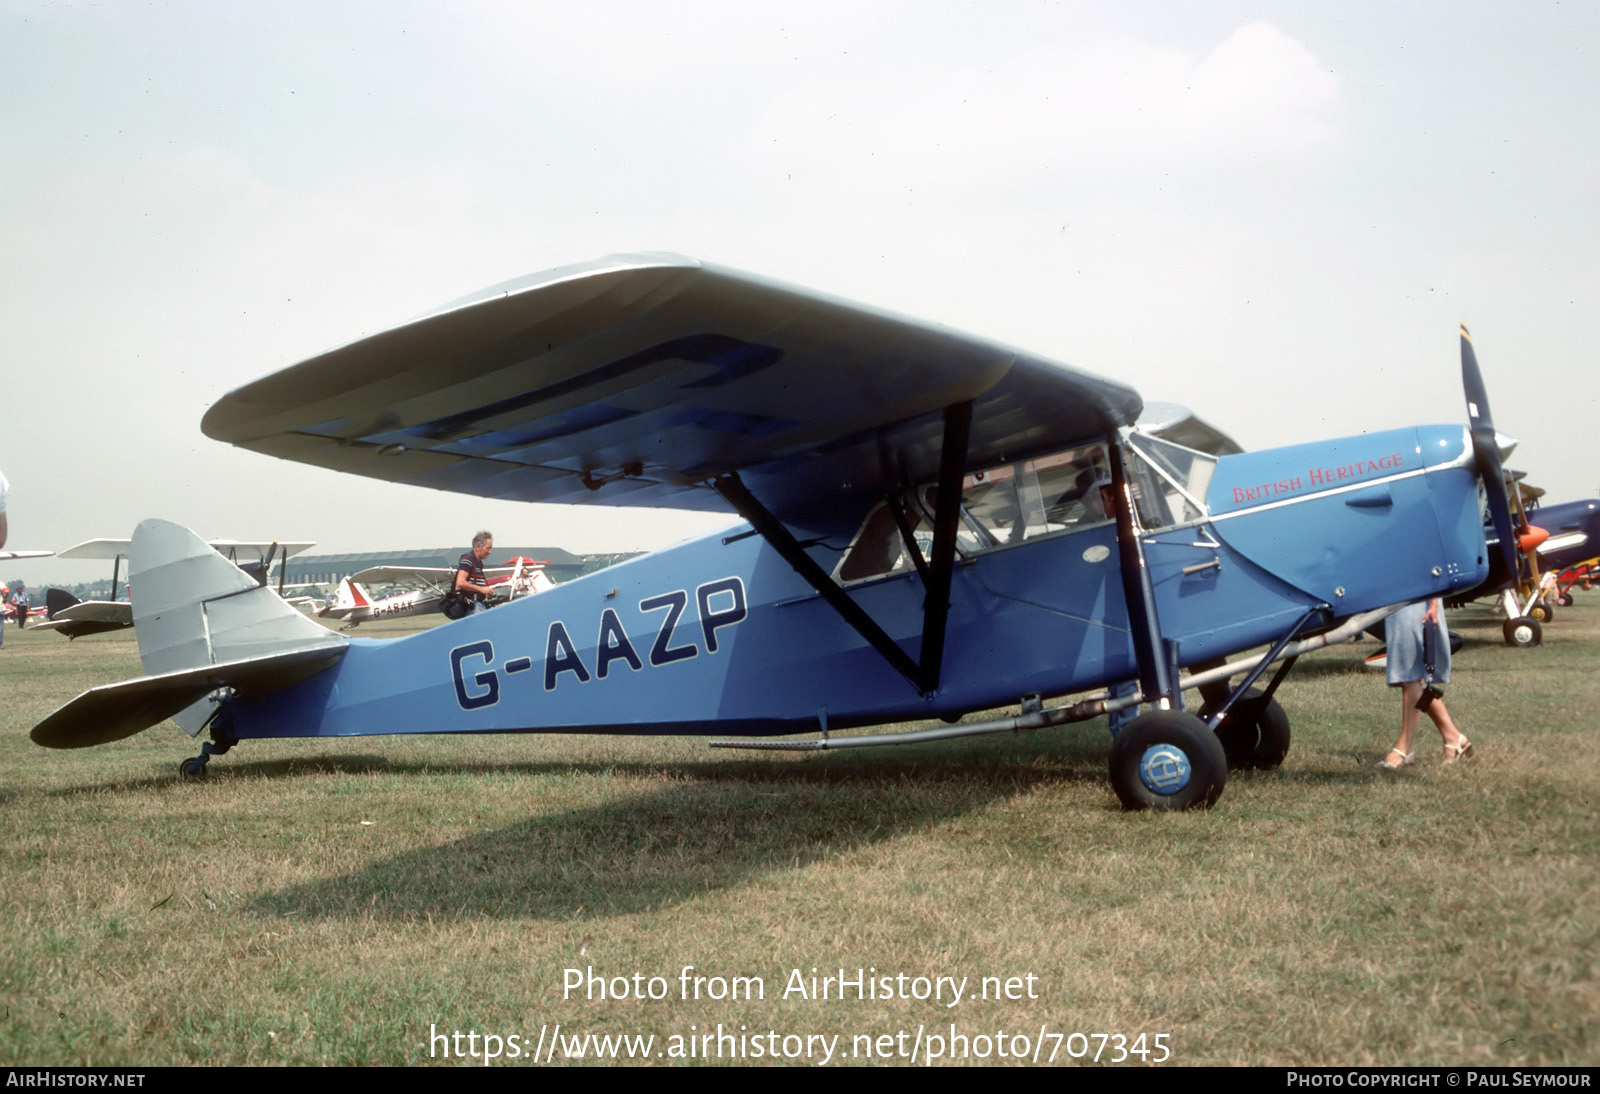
192, 607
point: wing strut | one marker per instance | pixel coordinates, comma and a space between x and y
1155, 675
936, 575
946, 520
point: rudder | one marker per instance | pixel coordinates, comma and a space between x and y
192, 607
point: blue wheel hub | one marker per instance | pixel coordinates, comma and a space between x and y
1164, 769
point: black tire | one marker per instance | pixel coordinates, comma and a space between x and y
1523, 632
1541, 612
1168, 760
1564, 600
1255, 734
193, 767
1456, 642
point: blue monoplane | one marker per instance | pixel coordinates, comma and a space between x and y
933, 525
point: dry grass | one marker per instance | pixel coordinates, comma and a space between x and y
314, 902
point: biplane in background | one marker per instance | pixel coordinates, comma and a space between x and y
933, 525
424, 590
75, 618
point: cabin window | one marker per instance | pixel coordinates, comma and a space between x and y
1169, 482
1001, 506
1069, 490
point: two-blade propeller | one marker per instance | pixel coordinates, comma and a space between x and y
1486, 451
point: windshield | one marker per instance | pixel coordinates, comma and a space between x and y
1169, 481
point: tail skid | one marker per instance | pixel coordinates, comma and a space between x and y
202, 624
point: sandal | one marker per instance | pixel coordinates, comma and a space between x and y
1458, 751
1405, 758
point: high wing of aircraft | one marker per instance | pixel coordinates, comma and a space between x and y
8, 556
934, 524
76, 618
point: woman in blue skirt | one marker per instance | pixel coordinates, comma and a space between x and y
1408, 649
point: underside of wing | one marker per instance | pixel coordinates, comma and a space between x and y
637, 380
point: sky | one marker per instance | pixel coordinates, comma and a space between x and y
1274, 213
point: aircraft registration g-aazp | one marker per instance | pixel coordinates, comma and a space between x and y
934, 525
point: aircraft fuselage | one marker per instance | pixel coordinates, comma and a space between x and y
721, 635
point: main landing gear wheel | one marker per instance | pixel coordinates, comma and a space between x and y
1255, 733
1168, 759
1523, 632
1541, 613
1564, 600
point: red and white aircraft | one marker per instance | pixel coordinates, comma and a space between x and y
426, 588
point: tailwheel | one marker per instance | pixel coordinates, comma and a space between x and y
1523, 632
1255, 732
195, 766
1167, 760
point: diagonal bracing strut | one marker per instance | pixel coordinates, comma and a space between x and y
936, 575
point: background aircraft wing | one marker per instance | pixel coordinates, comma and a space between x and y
244, 548
415, 576
97, 548
99, 611
7, 556
229, 548
636, 379
1180, 425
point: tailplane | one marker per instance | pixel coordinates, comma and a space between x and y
202, 625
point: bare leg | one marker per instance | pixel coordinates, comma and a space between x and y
1441, 718
1410, 692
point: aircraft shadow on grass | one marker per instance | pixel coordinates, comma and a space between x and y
720, 825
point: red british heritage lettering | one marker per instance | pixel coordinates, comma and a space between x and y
1332, 476
1242, 494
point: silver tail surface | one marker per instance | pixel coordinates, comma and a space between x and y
203, 625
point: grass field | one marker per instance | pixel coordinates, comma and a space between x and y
327, 902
